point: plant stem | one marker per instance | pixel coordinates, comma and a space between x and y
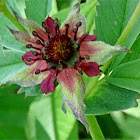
94, 128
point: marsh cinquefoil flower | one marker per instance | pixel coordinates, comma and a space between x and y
62, 54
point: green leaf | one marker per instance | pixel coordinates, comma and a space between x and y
30, 91
13, 4
65, 4
21, 6
7, 38
113, 17
135, 111
46, 114
126, 75
13, 113
128, 123
4, 10
11, 65
106, 98
136, 51
38, 10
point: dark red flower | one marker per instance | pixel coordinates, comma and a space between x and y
63, 54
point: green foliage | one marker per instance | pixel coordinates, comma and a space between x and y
106, 98
45, 115
10, 65
38, 10
13, 113
7, 38
124, 76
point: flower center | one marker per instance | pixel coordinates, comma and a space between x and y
59, 49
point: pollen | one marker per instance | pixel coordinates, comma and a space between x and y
59, 49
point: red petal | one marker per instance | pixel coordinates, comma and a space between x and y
48, 85
89, 37
29, 56
68, 78
86, 48
49, 22
90, 68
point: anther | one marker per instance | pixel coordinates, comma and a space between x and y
36, 35
55, 25
44, 25
75, 30
80, 71
87, 57
35, 53
56, 20
39, 43
67, 27
86, 34
47, 31
78, 24
37, 71
28, 59
29, 46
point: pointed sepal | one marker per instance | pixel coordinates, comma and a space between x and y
31, 26
74, 17
27, 76
73, 89
99, 51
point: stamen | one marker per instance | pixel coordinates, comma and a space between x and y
86, 34
28, 59
75, 31
67, 27
48, 32
56, 20
83, 37
39, 43
35, 53
78, 24
29, 46
87, 57
36, 35
55, 26
80, 71
44, 25
37, 71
